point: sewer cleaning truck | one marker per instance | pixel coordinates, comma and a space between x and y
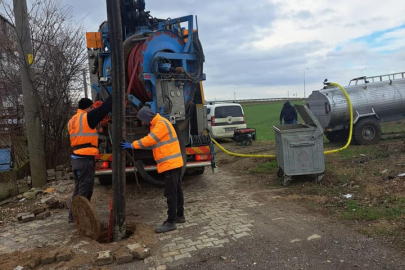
374, 100
164, 70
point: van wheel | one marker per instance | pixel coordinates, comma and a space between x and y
367, 131
105, 180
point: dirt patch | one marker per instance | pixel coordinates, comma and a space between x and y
144, 234
31, 259
361, 186
9, 212
84, 250
17, 258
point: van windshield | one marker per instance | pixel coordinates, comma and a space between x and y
225, 111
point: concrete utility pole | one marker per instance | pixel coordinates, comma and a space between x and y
35, 135
118, 109
85, 83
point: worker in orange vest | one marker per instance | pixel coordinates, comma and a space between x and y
167, 154
84, 143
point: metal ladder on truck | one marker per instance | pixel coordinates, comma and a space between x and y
379, 78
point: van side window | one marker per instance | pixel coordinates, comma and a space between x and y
225, 111
208, 110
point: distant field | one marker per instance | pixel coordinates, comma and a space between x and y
264, 116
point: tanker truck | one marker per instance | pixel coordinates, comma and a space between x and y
164, 70
374, 99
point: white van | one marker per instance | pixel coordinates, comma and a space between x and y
224, 118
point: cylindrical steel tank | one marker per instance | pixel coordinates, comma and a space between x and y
386, 99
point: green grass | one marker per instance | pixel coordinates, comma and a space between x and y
393, 127
265, 168
264, 116
352, 152
359, 212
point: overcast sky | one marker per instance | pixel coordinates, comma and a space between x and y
261, 48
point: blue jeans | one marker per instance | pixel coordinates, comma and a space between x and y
83, 172
290, 122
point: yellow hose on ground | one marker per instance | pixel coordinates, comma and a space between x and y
326, 152
351, 121
241, 155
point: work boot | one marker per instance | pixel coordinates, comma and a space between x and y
166, 227
180, 219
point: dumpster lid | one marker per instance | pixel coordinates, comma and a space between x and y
308, 117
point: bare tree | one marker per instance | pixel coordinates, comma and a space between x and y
59, 59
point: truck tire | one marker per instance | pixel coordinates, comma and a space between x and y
367, 131
199, 171
195, 171
105, 180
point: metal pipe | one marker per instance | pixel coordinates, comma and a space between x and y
118, 108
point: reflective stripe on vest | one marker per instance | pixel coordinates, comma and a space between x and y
81, 133
143, 147
158, 142
168, 158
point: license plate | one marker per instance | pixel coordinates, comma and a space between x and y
229, 129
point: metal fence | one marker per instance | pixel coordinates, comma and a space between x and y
255, 100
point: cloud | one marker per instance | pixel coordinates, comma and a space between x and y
262, 47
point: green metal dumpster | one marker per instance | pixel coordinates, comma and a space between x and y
299, 148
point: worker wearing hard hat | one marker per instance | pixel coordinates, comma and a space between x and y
84, 143
167, 154
289, 114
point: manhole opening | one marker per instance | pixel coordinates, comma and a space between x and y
104, 235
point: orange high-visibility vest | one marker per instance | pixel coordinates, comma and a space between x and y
164, 143
83, 139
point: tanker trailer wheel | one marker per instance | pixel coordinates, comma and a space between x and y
367, 131
337, 136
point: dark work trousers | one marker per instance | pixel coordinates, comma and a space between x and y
174, 194
83, 171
